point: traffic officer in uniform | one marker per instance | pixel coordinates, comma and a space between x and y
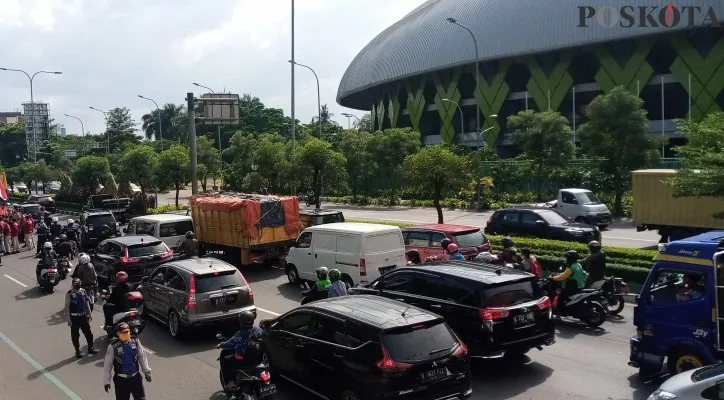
78, 309
125, 360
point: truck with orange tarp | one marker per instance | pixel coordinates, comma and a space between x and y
248, 228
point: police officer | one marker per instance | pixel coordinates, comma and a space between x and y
125, 360
77, 306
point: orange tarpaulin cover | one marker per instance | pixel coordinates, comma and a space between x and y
252, 209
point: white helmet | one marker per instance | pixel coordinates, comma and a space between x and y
70, 221
48, 245
55, 219
84, 258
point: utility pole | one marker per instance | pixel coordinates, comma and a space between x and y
190, 105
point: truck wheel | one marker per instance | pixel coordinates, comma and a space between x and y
684, 360
292, 274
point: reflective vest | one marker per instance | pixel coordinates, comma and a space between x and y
77, 302
578, 275
125, 357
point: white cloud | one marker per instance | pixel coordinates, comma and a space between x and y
111, 51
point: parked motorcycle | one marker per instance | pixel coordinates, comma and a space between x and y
253, 381
612, 291
130, 313
582, 305
63, 266
48, 278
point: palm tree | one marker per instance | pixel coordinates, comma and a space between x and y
169, 112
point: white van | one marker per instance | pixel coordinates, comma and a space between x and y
171, 228
362, 252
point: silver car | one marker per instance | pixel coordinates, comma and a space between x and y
195, 292
705, 383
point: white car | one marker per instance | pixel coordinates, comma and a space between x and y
135, 189
705, 383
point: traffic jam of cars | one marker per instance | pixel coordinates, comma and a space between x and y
397, 313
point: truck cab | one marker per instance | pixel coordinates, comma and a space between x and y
582, 206
678, 316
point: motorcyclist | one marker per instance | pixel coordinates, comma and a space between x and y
413, 257
47, 259
338, 288
509, 255
55, 228
190, 246
320, 289
595, 262
43, 233
573, 276
117, 299
71, 230
454, 252
86, 272
64, 248
246, 348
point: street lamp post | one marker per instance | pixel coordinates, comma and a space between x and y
462, 120
108, 136
82, 128
218, 135
32, 103
477, 73
348, 115
319, 99
160, 128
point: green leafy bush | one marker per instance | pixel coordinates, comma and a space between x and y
18, 197
166, 208
369, 221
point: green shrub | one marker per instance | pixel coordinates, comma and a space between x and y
166, 208
368, 221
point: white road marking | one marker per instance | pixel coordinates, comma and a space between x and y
15, 280
149, 350
268, 312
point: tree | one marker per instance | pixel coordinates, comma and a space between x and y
330, 128
703, 157
365, 124
121, 129
173, 168
168, 113
390, 148
255, 117
545, 139
13, 147
270, 158
438, 170
207, 155
89, 173
617, 131
137, 166
317, 160
360, 163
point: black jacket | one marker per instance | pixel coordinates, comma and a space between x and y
118, 295
595, 265
56, 229
86, 273
64, 250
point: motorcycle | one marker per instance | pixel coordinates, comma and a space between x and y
612, 291
63, 267
48, 278
131, 313
582, 305
252, 382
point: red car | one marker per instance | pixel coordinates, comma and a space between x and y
426, 239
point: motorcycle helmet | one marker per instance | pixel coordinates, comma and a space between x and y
322, 272
55, 220
48, 246
70, 221
246, 319
121, 277
335, 275
594, 245
445, 243
190, 235
84, 258
507, 242
451, 248
571, 256
63, 237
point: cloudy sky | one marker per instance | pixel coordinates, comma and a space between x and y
110, 51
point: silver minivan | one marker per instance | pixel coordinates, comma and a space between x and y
171, 228
195, 292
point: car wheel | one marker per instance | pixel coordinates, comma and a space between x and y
349, 394
683, 360
174, 325
347, 281
292, 274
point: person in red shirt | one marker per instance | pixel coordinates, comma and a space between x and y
28, 230
8, 237
14, 233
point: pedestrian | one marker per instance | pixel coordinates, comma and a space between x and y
2, 237
42, 230
14, 233
125, 359
78, 311
28, 229
7, 237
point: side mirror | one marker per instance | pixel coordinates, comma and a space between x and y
540, 222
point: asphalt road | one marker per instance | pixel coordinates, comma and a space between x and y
38, 361
618, 234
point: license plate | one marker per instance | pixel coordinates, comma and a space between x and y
524, 319
218, 301
268, 390
433, 374
135, 323
231, 299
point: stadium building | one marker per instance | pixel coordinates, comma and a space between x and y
554, 54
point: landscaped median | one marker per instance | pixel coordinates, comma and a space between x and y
630, 264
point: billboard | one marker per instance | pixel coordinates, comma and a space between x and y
220, 108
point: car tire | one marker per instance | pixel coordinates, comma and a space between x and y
349, 394
602, 227
174, 325
347, 281
684, 360
292, 274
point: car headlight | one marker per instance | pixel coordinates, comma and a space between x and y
574, 231
662, 395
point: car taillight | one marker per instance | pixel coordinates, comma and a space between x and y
390, 365
362, 267
52, 270
490, 314
125, 259
167, 254
265, 376
544, 303
251, 292
191, 299
462, 349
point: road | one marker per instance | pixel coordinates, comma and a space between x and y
38, 361
619, 234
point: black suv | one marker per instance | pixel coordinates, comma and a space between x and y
96, 226
542, 223
368, 347
493, 310
138, 256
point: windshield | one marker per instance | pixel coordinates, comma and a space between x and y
144, 228
210, 283
510, 294
553, 218
148, 249
33, 208
588, 198
100, 220
418, 344
470, 239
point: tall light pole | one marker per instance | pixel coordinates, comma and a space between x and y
462, 119
82, 128
218, 135
160, 128
32, 103
477, 73
319, 99
108, 136
348, 115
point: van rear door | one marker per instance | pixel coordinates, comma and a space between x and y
382, 253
